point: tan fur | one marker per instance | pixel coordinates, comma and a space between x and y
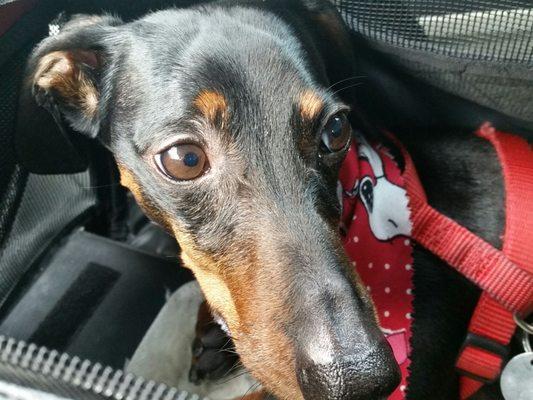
58, 71
128, 180
212, 105
215, 290
310, 105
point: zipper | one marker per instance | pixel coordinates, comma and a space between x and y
36, 367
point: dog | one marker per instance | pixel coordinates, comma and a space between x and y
227, 127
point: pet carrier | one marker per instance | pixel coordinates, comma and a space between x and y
64, 233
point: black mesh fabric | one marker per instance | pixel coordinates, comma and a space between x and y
484, 30
49, 204
481, 50
12, 178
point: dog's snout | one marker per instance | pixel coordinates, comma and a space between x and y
373, 375
341, 353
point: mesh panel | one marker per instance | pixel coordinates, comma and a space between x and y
477, 29
49, 203
481, 50
11, 177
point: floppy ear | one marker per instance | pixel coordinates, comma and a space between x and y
332, 38
336, 45
64, 76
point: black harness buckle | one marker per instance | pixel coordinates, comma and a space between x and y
488, 345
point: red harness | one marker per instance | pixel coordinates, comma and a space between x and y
505, 276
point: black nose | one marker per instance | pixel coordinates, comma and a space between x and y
370, 377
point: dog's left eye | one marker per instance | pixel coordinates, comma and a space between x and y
182, 162
336, 133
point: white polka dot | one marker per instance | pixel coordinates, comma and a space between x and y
354, 263
356, 239
370, 265
386, 313
368, 288
409, 291
407, 242
387, 290
408, 267
402, 388
408, 315
387, 266
354, 217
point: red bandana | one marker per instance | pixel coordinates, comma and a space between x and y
377, 226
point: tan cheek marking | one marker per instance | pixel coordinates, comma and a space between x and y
217, 295
58, 71
208, 274
233, 296
212, 105
128, 180
310, 105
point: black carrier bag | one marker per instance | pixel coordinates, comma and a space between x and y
422, 64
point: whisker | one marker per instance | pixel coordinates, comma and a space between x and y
229, 351
101, 186
229, 340
346, 79
233, 368
236, 369
238, 375
348, 87
251, 389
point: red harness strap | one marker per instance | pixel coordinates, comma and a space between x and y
506, 277
490, 319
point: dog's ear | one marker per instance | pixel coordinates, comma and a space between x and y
332, 38
336, 45
62, 96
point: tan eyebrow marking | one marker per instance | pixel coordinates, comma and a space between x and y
310, 104
212, 105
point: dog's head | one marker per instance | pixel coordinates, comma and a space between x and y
226, 128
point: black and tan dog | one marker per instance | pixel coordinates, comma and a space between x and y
226, 127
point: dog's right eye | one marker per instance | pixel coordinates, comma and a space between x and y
182, 162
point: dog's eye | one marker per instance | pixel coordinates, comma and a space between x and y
182, 162
336, 133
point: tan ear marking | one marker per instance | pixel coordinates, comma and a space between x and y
212, 105
310, 105
61, 72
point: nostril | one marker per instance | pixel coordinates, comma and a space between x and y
369, 377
